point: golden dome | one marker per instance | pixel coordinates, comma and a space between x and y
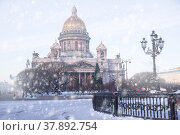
74, 23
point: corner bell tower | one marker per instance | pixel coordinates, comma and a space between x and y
101, 52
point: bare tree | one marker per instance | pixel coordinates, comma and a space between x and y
47, 77
144, 80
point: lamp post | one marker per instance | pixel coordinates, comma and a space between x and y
157, 46
126, 62
117, 78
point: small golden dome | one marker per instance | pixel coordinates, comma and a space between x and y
74, 23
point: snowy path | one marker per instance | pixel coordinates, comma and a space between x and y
80, 109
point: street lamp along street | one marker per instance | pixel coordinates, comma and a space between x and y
126, 62
157, 46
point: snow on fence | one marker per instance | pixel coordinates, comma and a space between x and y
143, 105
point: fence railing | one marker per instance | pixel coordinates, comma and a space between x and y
137, 104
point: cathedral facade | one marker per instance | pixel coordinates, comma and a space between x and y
73, 48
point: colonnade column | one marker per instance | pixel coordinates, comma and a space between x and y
85, 77
73, 80
79, 79
90, 76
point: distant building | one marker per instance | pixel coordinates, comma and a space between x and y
73, 47
171, 76
5, 88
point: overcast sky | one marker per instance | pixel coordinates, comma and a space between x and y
28, 25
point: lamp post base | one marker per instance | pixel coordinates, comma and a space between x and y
155, 85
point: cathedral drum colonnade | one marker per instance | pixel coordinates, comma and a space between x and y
73, 48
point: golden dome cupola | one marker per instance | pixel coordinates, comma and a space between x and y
74, 23
74, 39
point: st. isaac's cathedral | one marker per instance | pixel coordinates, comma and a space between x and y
73, 47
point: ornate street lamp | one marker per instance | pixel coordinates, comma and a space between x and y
126, 62
118, 67
157, 46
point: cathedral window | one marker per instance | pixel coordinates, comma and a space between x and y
81, 46
55, 54
76, 45
64, 46
102, 54
69, 45
87, 47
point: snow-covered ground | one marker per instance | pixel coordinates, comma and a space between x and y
79, 109
62, 94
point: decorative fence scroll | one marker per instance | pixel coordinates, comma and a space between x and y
137, 104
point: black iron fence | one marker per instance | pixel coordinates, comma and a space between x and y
144, 105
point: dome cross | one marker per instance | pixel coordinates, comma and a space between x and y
74, 11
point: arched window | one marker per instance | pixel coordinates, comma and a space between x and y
55, 54
81, 46
69, 45
64, 46
87, 47
76, 45
102, 54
